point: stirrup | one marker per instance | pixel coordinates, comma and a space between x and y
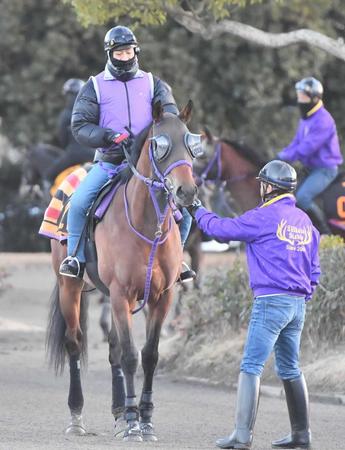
186, 275
71, 267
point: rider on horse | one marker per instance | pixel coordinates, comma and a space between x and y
316, 146
283, 262
116, 100
74, 153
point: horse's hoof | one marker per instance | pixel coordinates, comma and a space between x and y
75, 430
148, 432
133, 433
120, 427
76, 427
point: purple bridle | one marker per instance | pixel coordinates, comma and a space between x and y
153, 185
216, 158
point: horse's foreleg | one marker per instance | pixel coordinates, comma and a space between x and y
118, 382
104, 319
149, 356
70, 298
129, 363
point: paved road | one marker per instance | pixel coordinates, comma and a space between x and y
33, 409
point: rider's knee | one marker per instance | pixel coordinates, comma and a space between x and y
77, 203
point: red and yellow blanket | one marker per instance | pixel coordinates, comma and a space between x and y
54, 224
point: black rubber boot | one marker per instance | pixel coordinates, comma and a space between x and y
298, 405
246, 408
71, 267
319, 219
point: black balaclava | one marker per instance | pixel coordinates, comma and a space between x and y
122, 70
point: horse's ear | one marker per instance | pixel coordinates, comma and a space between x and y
157, 111
186, 113
208, 135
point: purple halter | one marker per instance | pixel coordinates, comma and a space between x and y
153, 186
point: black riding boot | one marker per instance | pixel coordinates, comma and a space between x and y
319, 220
298, 405
246, 407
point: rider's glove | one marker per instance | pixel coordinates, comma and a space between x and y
114, 137
192, 209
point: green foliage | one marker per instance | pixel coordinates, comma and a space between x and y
225, 300
325, 320
241, 91
145, 12
331, 242
41, 45
149, 12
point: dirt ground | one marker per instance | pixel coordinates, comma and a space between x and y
218, 359
33, 402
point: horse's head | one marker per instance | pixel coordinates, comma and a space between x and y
172, 150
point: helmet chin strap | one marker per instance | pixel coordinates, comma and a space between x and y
269, 195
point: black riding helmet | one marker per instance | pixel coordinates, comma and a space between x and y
279, 174
72, 86
120, 38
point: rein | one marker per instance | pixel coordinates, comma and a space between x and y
154, 186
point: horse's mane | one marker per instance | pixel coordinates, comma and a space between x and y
135, 152
247, 152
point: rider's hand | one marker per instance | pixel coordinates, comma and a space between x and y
114, 137
192, 209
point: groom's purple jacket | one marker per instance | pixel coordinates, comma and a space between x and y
282, 245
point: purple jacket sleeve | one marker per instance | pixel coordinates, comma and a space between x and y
319, 133
315, 264
243, 228
316, 271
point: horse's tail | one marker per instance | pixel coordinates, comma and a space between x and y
56, 329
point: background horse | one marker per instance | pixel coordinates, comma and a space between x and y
37, 160
226, 175
139, 254
232, 167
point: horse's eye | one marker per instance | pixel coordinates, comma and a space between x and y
161, 146
194, 145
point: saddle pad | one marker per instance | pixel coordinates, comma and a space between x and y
54, 224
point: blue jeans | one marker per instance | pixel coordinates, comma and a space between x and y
276, 323
81, 201
315, 183
185, 225
83, 198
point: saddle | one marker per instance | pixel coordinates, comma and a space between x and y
334, 203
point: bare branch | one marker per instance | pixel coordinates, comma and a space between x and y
335, 47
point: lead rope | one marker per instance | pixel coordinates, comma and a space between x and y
147, 289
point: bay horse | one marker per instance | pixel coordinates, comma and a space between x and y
233, 168
229, 168
138, 221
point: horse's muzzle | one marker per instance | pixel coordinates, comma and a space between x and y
186, 194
